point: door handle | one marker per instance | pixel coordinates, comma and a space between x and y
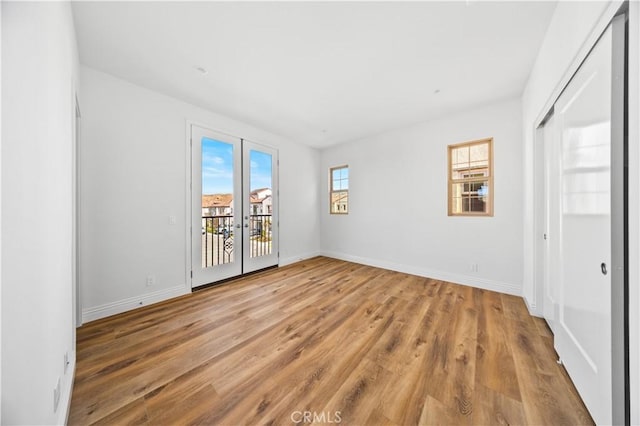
603, 268
246, 225
238, 226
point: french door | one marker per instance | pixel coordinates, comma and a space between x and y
234, 204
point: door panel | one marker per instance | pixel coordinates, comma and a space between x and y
552, 255
260, 213
583, 129
216, 206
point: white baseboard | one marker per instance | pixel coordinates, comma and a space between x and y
289, 260
463, 279
113, 308
532, 308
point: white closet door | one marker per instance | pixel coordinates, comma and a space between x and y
551, 255
583, 327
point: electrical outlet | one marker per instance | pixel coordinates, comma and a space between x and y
172, 220
473, 267
56, 396
151, 280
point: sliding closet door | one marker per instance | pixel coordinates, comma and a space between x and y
583, 331
551, 256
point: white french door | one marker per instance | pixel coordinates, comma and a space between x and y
234, 205
260, 207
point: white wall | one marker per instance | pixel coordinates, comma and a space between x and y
133, 176
39, 66
574, 29
398, 202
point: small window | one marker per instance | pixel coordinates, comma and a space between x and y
339, 190
471, 178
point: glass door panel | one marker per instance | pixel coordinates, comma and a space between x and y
217, 203
260, 207
216, 189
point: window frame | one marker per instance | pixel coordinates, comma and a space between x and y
332, 191
470, 180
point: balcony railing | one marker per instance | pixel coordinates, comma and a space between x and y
219, 241
260, 233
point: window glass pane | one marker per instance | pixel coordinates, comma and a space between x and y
460, 156
217, 203
479, 156
260, 231
469, 197
476, 205
336, 174
217, 167
459, 162
479, 152
339, 202
459, 174
260, 176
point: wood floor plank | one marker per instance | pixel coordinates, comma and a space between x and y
361, 393
324, 336
495, 408
453, 358
134, 413
495, 367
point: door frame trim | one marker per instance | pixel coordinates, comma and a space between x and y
621, 401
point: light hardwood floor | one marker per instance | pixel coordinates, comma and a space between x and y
324, 336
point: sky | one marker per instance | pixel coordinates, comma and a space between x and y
217, 168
